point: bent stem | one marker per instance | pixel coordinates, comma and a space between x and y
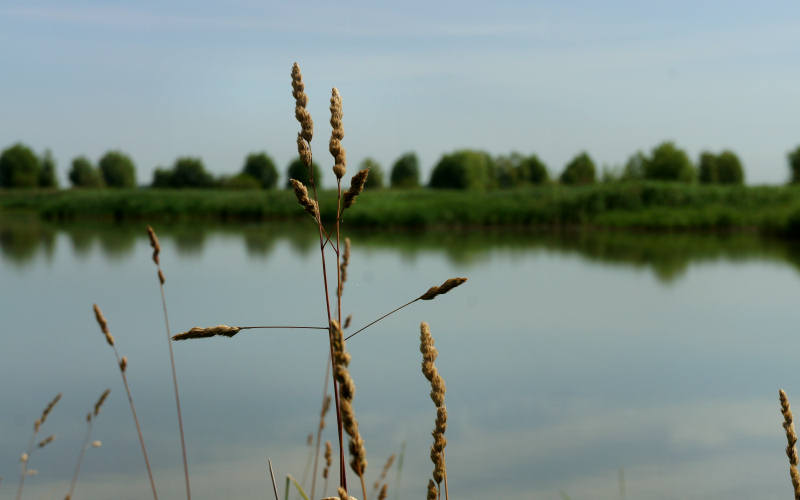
382, 317
28, 453
319, 430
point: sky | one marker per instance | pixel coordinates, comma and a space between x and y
160, 80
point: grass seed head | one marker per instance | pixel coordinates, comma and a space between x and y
97, 444
337, 134
100, 401
328, 459
47, 411
123, 363
301, 101
383, 493
200, 333
301, 193
44, 442
154, 244
101, 320
442, 289
357, 183
791, 439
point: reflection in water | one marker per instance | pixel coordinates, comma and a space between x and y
668, 255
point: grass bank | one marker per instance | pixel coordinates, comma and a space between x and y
655, 206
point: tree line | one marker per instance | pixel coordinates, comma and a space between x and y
20, 167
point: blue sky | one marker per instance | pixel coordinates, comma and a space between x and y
165, 79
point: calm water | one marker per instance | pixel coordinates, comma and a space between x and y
577, 363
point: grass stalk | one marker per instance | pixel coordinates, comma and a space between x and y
37, 425
80, 460
326, 400
156, 250
272, 476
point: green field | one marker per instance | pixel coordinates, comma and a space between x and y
653, 206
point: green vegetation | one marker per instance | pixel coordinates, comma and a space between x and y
516, 170
118, 170
83, 174
187, 172
47, 171
375, 178
724, 168
667, 162
580, 170
642, 205
297, 170
405, 171
260, 167
794, 165
463, 169
19, 167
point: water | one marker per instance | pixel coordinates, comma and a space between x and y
576, 363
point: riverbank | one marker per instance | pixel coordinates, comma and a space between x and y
651, 206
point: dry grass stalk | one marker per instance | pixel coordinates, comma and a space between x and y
343, 275
95, 444
384, 492
37, 425
347, 389
326, 404
212, 331
385, 471
123, 364
357, 183
154, 243
44, 442
328, 463
791, 438
429, 355
337, 134
100, 401
301, 101
445, 287
300, 191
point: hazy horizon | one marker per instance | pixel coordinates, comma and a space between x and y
194, 78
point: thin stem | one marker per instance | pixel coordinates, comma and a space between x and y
272, 475
28, 453
175, 385
80, 460
138, 427
319, 429
342, 471
283, 327
444, 466
375, 321
363, 486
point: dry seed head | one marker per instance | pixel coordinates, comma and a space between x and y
161, 278
345, 259
36, 425
385, 471
44, 442
791, 439
343, 495
310, 439
23, 458
429, 355
123, 363
432, 493
31, 472
301, 193
47, 410
101, 320
154, 244
97, 444
328, 459
337, 134
357, 183
100, 401
442, 289
301, 101
326, 404
89, 417
347, 390
200, 333
383, 494
304, 150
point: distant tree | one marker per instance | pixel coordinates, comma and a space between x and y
47, 171
707, 168
186, 172
298, 170
19, 167
507, 172
634, 167
463, 169
533, 170
375, 177
405, 171
260, 167
241, 181
162, 178
669, 163
794, 165
730, 170
83, 174
611, 174
580, 170
118, 170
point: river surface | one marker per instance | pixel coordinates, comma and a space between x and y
587, 365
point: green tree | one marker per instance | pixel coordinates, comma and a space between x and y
19, 167
188, 172
405, 171
634, 167
375, 177
162, 178
507, 172
118, 170
241, 181
580, 170
794, 165
669, 163
260, 167
298, 170
729, 168
463, 169
47, 171
707, 168
533, 170
83, 174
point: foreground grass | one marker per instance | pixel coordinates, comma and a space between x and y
663, 206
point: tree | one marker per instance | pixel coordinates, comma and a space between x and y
507, 173
375, 177
794, 165
634, 167
729, 168
19, 167
241, 181
299, 171
405, 171
463, 169
707, 170
533, 170
580, 170
118, 170
186, 172
669, 163
47, 171
260, 167
83, 174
